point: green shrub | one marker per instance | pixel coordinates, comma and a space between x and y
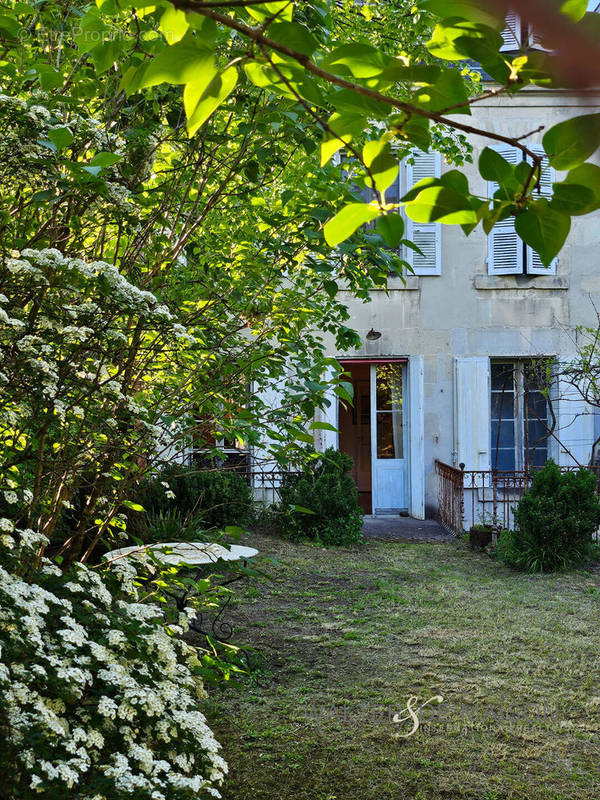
215, 498
327, 490
555, 521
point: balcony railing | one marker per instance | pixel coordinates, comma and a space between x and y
469, 497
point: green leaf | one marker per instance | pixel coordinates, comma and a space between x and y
456, 40
322, 426
391, 229
575, 9
302, 509
50, 78
293, 35
105, 160
448, 90
378, 158
184, 62
424, 183
543, 229
9, 26
414, 129
493, 167
346, 221
282, 8
90, 31
173, 25
210, 99
356, 60
441, 204
572, 199
345, 126
457, 180
62, 137
569, 143
467, 9
588, 176
347, 100
344, 391
133, 506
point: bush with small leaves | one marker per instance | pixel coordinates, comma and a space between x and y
321, 503
216, 498
555, 522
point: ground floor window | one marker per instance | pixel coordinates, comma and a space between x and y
519, 414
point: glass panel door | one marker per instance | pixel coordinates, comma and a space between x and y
388, 437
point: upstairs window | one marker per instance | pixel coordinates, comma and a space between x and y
512, 34
426, 236
507, 253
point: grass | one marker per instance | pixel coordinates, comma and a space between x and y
348, 635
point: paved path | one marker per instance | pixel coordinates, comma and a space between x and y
404, 528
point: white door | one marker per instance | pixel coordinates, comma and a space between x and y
389, 439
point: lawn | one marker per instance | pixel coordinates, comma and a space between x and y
348, 635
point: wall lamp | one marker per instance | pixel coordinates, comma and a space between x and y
373, 335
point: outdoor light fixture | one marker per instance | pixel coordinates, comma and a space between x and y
373, 335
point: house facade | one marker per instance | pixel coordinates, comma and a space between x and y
450, 359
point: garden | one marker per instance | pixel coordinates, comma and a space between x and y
188, 191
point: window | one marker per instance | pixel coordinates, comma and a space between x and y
511, 35
507, 253
426, 236
519, 415
518, 33
213, 445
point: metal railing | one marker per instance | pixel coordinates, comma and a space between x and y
450, 497
471, 497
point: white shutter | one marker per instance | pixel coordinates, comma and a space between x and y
472, 411
324, 438
505, 249
427, 236
534, 264
575, 426
416, 433
511, 35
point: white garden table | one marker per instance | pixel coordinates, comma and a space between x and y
200, 556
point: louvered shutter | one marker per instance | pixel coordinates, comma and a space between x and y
511, 35
472, 410
427, 236
505, 249
534, 264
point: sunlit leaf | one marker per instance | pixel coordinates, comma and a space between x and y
347, 221
206, 102
569, 143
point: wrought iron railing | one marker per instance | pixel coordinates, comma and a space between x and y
470, 497
450, 497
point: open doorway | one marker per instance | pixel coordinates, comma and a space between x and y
374, 433
355, 433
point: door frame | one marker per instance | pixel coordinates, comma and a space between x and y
377, 508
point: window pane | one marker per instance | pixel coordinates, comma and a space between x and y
389, 387
502, 377
504, 459
389, 434
507, 434
538, 456
503, 404
537, 406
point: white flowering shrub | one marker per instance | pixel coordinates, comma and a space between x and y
100, 699
83, 390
